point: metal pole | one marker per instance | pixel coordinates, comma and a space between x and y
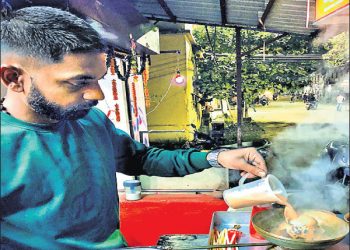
239, 86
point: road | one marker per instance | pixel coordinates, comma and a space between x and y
284, 111
280, 115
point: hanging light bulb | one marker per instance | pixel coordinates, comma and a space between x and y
179, 79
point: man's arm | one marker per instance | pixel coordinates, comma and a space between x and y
134, 158
137, 159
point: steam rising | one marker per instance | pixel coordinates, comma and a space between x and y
300, 163
300, 160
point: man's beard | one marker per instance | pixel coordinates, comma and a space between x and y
51, 110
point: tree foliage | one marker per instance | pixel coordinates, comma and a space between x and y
216, 72
338, 50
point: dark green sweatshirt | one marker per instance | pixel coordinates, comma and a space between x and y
58, 181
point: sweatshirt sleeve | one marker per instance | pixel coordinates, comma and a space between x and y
134, 158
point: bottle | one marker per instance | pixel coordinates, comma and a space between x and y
132, 189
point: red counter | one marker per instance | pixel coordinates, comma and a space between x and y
142, 222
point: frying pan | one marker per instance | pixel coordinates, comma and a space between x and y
335, 229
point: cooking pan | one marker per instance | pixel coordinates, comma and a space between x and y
266, 223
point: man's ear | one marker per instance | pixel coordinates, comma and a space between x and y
12, 77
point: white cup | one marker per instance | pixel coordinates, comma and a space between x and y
132, 190
259, 192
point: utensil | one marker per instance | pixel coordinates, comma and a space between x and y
335, 229
259, 192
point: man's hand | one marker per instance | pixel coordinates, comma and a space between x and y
247, 160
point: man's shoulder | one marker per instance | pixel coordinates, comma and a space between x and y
98, 118
95, 116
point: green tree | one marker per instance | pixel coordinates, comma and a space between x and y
338, 50
216, 72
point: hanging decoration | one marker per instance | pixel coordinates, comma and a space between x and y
112, 67
133, 92
133, 59
109, 56
145, 76
114, 89
134, 72
130, 62
111, 64
117, 112
114, 82
132, 69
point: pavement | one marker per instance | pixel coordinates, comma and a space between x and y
284, 111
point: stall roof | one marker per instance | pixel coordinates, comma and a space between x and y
281, 16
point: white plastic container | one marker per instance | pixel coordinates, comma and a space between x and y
262, 191
132, 189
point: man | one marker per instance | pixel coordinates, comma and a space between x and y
293, 97
59, 155
340, 99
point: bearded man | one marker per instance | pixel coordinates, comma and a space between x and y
59, 154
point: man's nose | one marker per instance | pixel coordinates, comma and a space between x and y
94, 92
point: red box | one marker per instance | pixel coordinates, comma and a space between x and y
142, 222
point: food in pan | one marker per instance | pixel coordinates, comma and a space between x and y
290, 213
303, 227
347, 217
298, 226
330, 229
308, 225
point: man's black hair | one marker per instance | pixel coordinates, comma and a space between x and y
47, 33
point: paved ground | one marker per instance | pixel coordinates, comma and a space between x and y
284, 111
279, 115
298, 135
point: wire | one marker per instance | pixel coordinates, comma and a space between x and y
177, 61
210, 43
160, 101
177, 71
